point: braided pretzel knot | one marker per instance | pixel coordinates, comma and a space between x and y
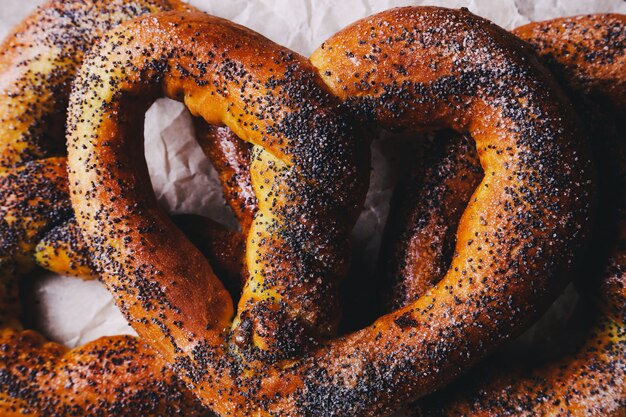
110, 376
407, 68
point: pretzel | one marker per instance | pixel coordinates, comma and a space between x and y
427, 205
588, 56
518, 236
109, 376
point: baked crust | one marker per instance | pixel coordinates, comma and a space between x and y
519, 235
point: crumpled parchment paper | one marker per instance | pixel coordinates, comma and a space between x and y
73, 312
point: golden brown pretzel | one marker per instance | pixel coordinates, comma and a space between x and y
417, 68
39, 60
424, 215
62, 250
115, 375
588, 54
109, 375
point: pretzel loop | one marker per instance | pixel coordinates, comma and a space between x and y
111, 375
276, 104
586, 53
411, 68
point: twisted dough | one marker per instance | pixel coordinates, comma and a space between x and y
407, 68
110, 376
588, 55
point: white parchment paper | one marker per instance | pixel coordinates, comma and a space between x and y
73, 312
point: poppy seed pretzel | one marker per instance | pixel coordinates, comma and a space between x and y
40, 378
425, 211
417, 68
406, 68
110, 376
588, 55
215, 54
39, 59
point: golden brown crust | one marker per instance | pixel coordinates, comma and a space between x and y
379, 68
62, 250
424, 216
570, 46
116, 375
38, 61
295, 182
110, 376
592, 381
44, 378
34, 197
588, 53
519, 234
231, 158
